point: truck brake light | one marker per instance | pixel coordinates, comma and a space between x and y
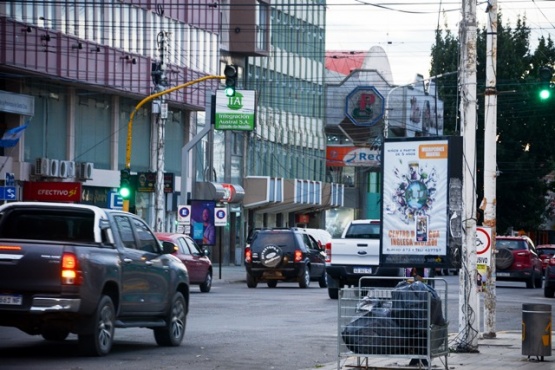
328, 252
71, 275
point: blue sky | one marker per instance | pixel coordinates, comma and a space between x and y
405, 28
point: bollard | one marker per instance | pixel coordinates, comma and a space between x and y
536, 330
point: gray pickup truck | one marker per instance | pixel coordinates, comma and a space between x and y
72, 268
357, 254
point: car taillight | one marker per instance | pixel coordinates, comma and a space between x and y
248, 255
328, 252
70, 270
298, 255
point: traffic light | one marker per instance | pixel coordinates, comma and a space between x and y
125, 183
230, 73
545, 75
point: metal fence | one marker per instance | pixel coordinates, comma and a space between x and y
408, 321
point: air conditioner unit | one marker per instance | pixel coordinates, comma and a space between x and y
85, 170
54, 168
42, 167
64, 169
70, 168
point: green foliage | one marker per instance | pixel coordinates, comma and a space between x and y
525, 151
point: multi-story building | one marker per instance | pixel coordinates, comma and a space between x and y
76, 72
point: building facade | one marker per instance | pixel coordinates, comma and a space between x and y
75, 72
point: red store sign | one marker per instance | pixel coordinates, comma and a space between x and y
52, 191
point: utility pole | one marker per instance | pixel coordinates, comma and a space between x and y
490, 164
160, 204
468, 297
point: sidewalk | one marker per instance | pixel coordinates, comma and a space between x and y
501, 353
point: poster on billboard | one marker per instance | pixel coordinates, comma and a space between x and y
203, 230
424, 114
421, 179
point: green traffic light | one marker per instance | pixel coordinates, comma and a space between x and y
545, 94
229, 91
124, 193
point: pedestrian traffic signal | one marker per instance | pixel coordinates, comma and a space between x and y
125, 183
545, 75
230, 73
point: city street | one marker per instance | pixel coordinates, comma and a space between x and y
234, 327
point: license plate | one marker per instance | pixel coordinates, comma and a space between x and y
362, 270
15, 300
503, 274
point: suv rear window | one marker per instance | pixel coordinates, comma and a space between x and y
281, 239
511, 244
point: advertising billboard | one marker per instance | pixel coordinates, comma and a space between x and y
422, 193
203, 230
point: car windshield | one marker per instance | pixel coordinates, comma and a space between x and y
511, 244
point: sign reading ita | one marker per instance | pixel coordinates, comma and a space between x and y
235, 112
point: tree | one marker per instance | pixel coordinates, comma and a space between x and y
525, 152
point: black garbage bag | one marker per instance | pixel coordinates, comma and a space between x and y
374, 333
410, 306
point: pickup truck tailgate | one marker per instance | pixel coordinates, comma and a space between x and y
355, 252
34, 266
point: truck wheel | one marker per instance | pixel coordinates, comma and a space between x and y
548, 292
251, 281
272, 283
172, 334
205, 287
99, 343
304, 278
333, 293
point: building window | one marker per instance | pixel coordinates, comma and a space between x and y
262, 26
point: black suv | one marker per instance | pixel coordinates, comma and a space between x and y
288, 255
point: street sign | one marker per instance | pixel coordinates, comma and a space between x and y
220, 216
184, 214
10, 179
483, 251
10, 193
115, 201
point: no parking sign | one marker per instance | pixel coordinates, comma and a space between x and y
483, 249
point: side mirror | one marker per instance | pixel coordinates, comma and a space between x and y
168, 248
205, 252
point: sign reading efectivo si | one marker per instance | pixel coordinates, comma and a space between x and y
235, 112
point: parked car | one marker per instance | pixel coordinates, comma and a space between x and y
549, 283
195, 258
288, 255
545, 252
517, 260
320, 235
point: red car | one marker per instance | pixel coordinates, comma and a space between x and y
545, 252
195, 259
517, 260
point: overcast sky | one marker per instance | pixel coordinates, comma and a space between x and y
405, 28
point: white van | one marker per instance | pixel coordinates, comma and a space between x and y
320, 235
